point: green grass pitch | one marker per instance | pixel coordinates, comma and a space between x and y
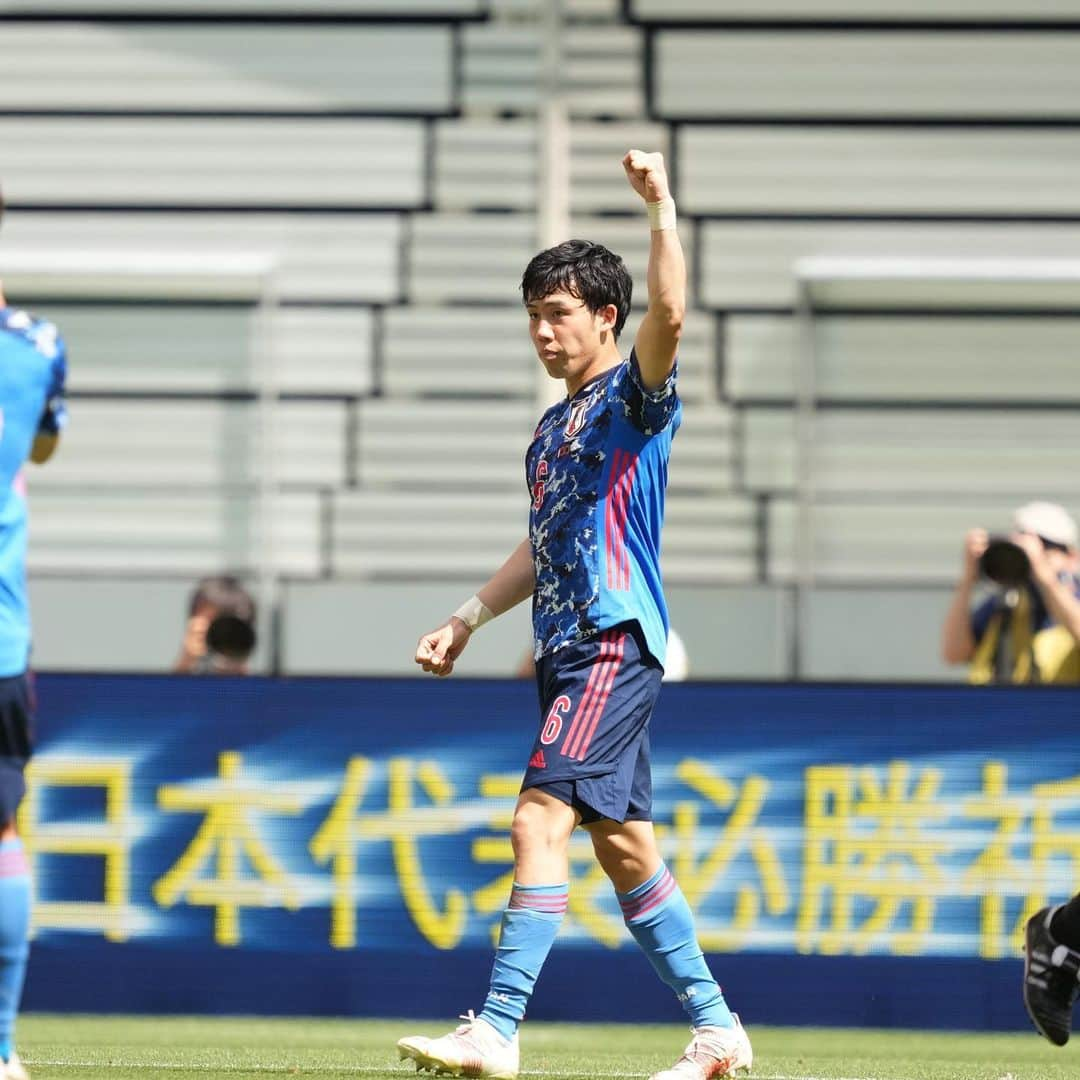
212, 1048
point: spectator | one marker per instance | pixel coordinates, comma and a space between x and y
219, 637
1028, 629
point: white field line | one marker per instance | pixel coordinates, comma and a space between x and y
345, 1070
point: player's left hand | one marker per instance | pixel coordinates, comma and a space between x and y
647, 175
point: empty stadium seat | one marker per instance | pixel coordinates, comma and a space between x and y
890, 171
887, 11
223, 67
155, 444
213, 161
888, 542
909, 451
751, 264
892, 358
709, 540
875, 75
502, 66
85, 531
426, 533
319, 257
469, 444
169, 348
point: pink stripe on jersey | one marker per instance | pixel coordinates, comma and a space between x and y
621, 480
14, 863
586, 698
605, 692
594, 693
639, 905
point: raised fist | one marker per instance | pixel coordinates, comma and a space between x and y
647, 175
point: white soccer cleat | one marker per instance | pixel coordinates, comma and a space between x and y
13, 1069
474, 1049
713, 1052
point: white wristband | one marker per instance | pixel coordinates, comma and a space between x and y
474, 613
661, 214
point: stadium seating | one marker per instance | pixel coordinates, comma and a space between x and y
383, 156
906, 358
872, 75
749, 264
84, 534
208, 67
824, 11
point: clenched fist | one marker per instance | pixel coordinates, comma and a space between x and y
647, 175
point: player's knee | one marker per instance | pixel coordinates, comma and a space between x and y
535, 828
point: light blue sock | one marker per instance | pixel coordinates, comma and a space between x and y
663, 925
529, 926
14, 936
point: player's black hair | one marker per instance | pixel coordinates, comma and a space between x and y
226, 594
589, 271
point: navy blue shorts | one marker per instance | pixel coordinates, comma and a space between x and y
16, 741
592, 749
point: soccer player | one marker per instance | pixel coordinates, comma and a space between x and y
32, 371
1052, 969
596, 472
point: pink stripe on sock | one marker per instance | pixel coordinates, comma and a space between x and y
14, 863
553, 903
639, 905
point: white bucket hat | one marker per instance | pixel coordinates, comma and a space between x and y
1048, 520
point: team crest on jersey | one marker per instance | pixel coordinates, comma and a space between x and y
577, 417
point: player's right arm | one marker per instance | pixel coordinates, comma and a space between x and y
513, 582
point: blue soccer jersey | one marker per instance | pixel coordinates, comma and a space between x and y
597, 471
32, 371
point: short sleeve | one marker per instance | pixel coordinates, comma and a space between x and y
650, 411
54, 417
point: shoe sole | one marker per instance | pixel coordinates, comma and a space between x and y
426, 1063
1027, 1004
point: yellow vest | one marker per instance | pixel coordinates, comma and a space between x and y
1048, 656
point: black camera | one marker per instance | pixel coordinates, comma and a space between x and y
230, 636
1005, 562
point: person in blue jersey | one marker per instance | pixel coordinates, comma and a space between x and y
32, 371
596, 474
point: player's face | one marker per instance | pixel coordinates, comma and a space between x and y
567, 336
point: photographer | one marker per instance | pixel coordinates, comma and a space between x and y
219, 637
1028, 629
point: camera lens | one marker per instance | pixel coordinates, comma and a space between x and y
230, 636
1005, 562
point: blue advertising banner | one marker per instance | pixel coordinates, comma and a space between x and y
342, 846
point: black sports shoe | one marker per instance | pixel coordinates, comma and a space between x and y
1051, 979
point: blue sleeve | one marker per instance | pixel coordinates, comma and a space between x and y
650, 411
981, 616
54, 418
